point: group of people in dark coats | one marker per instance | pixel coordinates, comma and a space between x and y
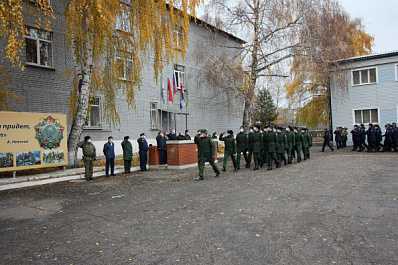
374, 137
266, 145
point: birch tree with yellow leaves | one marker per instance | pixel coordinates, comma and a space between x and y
98, 31
13, 16
330, 34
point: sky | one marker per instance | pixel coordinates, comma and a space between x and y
380, 20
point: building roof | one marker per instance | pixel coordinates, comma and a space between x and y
214, 28
368, 57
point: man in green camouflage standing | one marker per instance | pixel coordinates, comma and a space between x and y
282, 143
250, 149
206, 153
265, 145
242, 142
298, 138
306, 142
290, 144
257, 146
272, 147
230, 149
89, 156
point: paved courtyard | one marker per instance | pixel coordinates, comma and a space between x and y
336, 208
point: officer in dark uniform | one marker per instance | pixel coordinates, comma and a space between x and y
187, 136
272, 142
371, 135
242, 142
378, 138
162, 147
230, 149
338, 138
143, 151
326, 140
281, 143
388, 143
362, 136
127, 154
290, 143
206, 153
89, 156
394, 134
172, 135
356, 138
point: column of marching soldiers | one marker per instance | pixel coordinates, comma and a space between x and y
266, 145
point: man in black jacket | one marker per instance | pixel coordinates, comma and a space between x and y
362, 138
162, 147
326, 140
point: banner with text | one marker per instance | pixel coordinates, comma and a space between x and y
32, 140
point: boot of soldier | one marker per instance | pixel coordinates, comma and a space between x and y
284, 161
255, 167
224, 170
360, 149
305, 157
354, 149
289, 160
299, 159
278, 164
236, 170
261, 163
248, 165
199, 178
309, 156
238, 167
269, 166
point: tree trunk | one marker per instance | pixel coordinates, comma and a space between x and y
84, 71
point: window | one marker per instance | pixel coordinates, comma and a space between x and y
366, 116
125, 65
123, 20
179, 73
365, 76
39, 47
154, 116
178, 37
94, 113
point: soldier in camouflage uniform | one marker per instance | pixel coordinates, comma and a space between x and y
290, 143
282, 143
242, 142
306, 143
257, 146
206, 153
89, 156
265, 145
272, 147
230, 149
250, 149
298, 138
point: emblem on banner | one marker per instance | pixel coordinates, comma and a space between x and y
49, 133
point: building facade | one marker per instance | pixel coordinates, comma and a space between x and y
43, 86
372, 92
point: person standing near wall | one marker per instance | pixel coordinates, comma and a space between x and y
338, 138
127, 154
326, 140
109, 152
161, 141
89, 156
143, 151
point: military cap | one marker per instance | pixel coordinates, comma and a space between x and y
370, 124
230, 132
296, 128
362, 124
258, 126
203, 131
186, 131
325, 129
142, 134
266, 126
355, 125
290, 127
243, 127
126, 137
86, 138
271, 126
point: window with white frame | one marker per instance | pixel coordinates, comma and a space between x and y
366, 116
154, 116
124, 63
179, 73
94, 114
39, 49
364, 76
123, 20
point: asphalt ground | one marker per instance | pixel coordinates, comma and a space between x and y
336, 208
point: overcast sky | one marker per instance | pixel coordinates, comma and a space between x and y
380, 18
